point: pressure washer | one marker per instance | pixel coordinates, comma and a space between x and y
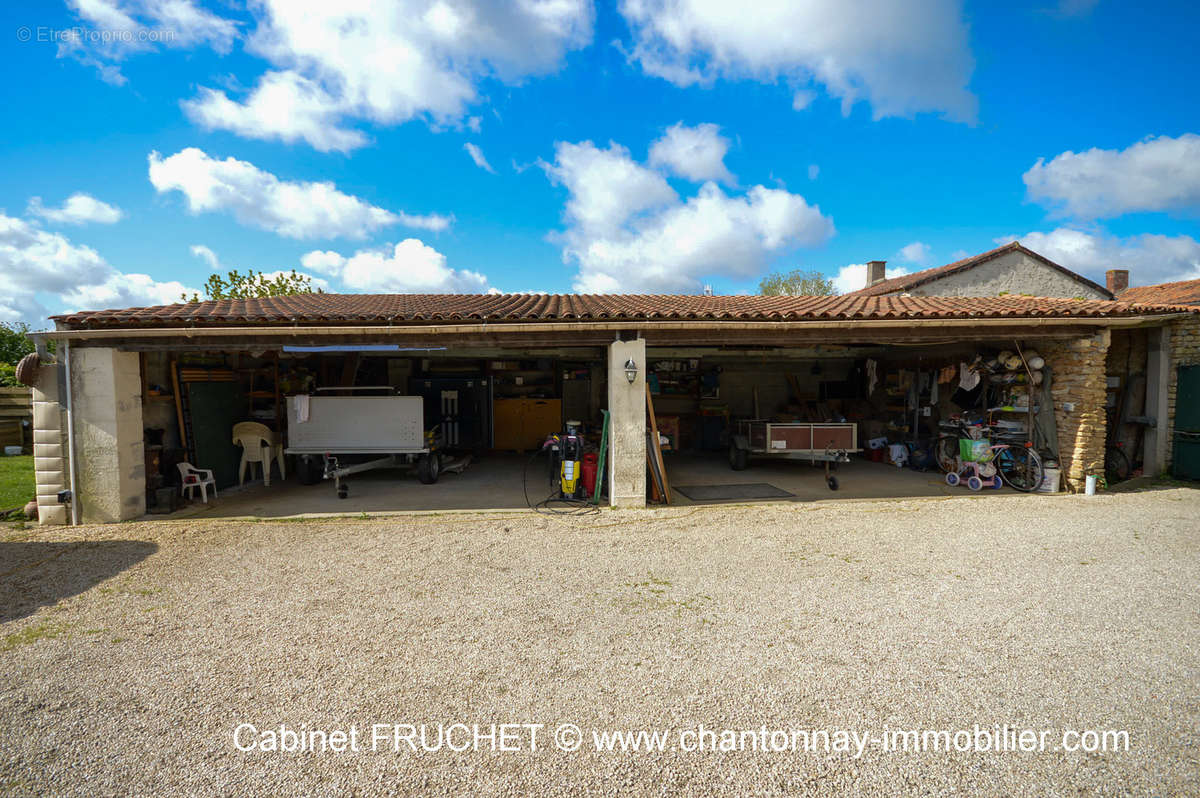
565, 450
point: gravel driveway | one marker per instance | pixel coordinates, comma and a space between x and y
131, 653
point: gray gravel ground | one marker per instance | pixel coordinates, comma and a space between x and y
130, 653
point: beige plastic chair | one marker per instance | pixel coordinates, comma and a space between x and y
258, 446
191, 478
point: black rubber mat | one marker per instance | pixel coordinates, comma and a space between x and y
720, 493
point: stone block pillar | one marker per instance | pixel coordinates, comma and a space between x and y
627, 425
51, 468
1079, 368
106, 389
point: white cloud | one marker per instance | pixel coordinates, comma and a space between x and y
917, 252
119, 290
854, 276
389, 62
627, 230
433, 222
285, 106
115, 29
37, 264
696, 153
1150, 258
33, 259
901, 58
207, 255
1156, 174
606, 187
477, 156
260, 199
803, 98
410, 266
79, 208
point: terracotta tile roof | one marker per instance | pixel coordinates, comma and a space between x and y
1184, 292
326, 309
910, 281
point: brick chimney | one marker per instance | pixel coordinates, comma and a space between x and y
875, 271
1116, 280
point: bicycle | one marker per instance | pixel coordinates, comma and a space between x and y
1018, 465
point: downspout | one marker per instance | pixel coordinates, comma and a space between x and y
71, 435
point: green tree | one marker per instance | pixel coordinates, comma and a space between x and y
254, 284
14, 345
796, 283
14, 342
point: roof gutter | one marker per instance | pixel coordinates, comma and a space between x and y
269, 331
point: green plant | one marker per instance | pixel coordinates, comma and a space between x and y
254, 284
796, 283
15, 342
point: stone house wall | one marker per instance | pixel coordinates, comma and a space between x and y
1010, 273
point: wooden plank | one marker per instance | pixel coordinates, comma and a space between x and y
658, 458
652, 469
174, 366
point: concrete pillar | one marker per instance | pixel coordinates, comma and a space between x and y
626, 425
51, 471
106, 389
1158, 381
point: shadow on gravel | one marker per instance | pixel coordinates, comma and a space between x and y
36, 575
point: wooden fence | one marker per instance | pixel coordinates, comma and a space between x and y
16, 406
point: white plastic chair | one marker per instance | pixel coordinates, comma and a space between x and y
191, 477
258, 446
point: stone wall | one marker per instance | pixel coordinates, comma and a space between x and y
1010, 273
1185, 351
1079, 376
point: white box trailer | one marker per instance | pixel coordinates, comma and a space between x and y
350, 428
827, 442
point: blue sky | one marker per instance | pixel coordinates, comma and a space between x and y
641, 146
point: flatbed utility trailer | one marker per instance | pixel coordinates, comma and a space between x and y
813, 442
352, 428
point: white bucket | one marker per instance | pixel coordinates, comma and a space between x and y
1051, 480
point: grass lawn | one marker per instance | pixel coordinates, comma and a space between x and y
16, 481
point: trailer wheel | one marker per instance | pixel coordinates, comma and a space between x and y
311, 469
343, 491
427, 469
738, 457
831, 482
